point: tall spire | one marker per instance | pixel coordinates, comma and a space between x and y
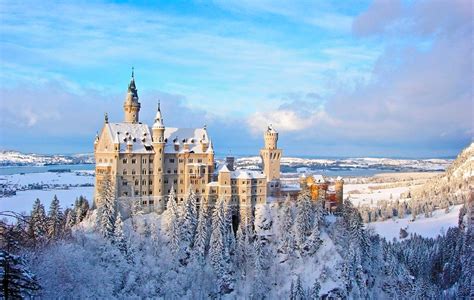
158, 118
132, 87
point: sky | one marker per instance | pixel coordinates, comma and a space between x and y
335, 78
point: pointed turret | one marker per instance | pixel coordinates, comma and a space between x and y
131, 106
158, 118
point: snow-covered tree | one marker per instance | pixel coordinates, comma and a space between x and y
287, 240
218, 252
107, 209
37, 226
173, 223
55, 219
189, 221
17, 280
260, 287
119, 237
299, 293
202, 235
304, 218
314, 292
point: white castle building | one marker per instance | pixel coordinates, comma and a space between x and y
145, 163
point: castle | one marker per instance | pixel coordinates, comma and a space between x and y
145, 163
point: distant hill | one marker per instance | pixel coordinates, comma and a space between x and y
15, 158
453, 185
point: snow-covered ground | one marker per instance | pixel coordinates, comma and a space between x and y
23, 201
66, 186
426, 227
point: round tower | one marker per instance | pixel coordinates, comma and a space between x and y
271, 155
131, 106
271, 138
339, 188
158, 134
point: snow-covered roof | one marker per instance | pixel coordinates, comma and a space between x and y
192, 138
223, 168
319, 178
247, 174
136, 135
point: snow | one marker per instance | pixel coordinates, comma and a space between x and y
426, 227
23, 201
52, 183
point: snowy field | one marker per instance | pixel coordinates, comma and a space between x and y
60, 184
426, 227
384, 187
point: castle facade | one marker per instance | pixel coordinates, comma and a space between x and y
144, 164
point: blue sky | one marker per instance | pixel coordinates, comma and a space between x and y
341, 78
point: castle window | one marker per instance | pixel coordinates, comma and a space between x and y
181, 160
124, 160
181, 181
134, 160
136, 182
144, 172
100, 160
168, 171
151, 201
124, 172
203, 191
171, 160
175, 171
133, 172
200, 160
125, 193
175, 181
190, 160
144, 160
143, 182
124, 183
151, 160
166, 181
150, 182
143, 194
191, 171
136, 193
150, 172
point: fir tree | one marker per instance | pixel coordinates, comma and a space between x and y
174, 235
286, 229
314, 292
299, 293
202, 235
17, 281
260, 288
304, 218
218, 252
55, 219
119, 238
107, 209
37, 227
189, 222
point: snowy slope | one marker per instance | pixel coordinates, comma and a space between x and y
426, 227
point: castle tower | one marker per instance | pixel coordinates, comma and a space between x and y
158, 132
131, 106
338, 187
271, 155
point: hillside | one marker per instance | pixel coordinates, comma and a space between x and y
15, 158
453, 185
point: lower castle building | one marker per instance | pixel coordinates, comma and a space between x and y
145, 163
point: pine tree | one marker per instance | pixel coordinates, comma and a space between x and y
119, 238
287, 242
314, 292
202, 235
260, 288
304, 218
299, 290
174, 235
189, 222
107, 209
17, 281
37, 227
218, 252
71, 218
55, 219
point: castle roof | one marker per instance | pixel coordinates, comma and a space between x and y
246, 174
133, 134
187, 140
